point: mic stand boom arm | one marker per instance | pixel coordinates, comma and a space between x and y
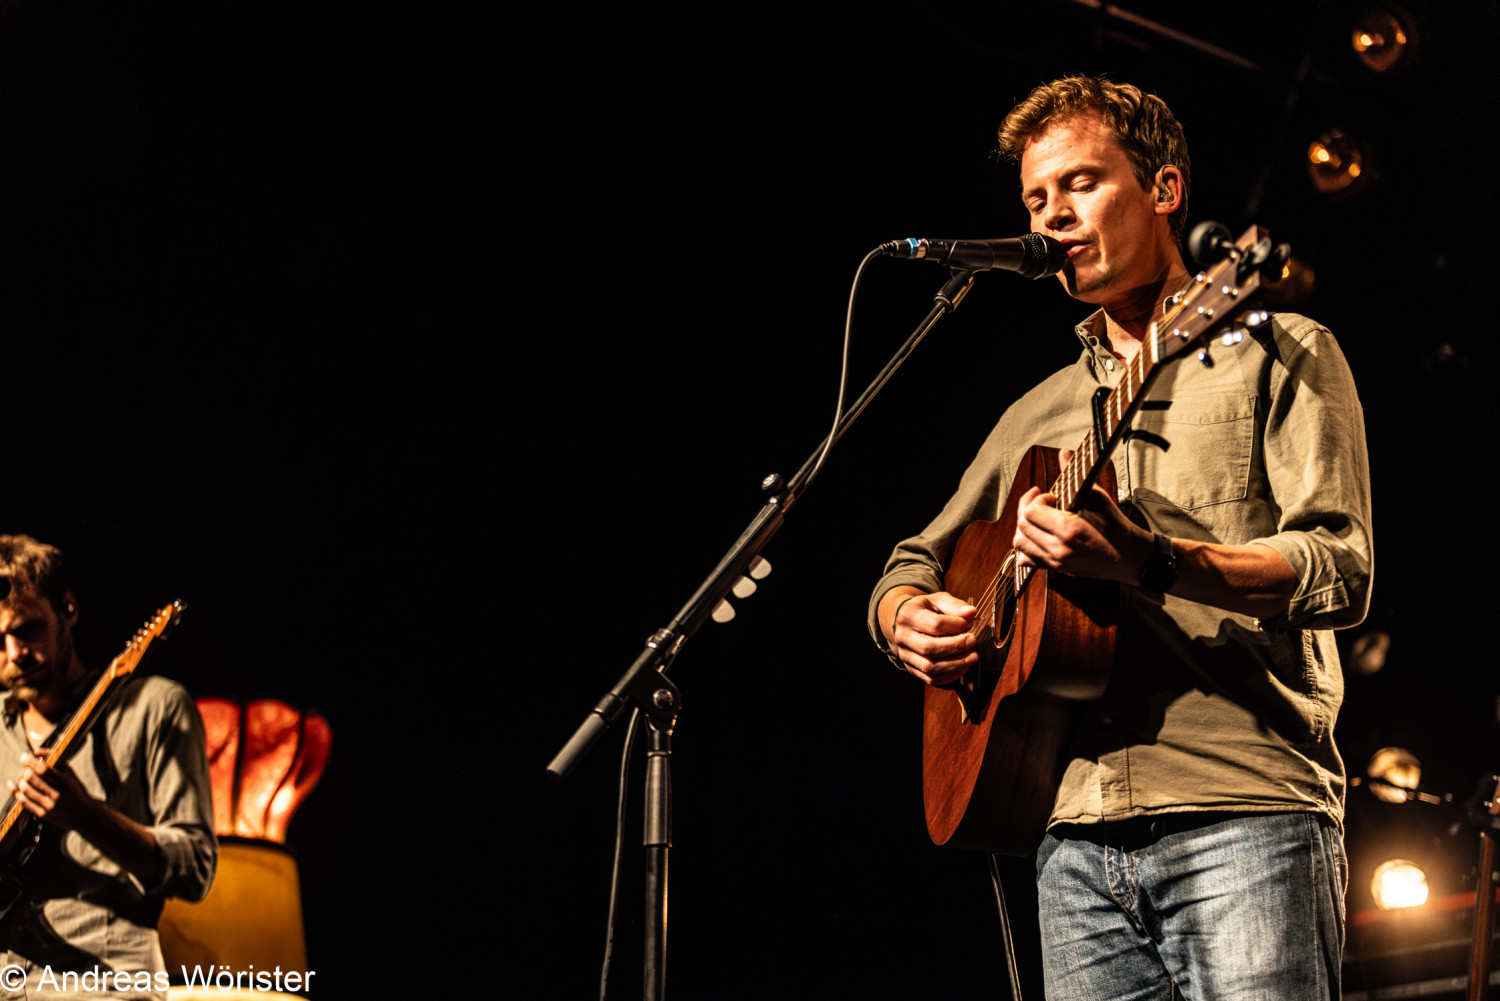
643, 683
646, 685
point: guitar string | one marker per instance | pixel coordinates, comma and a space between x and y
137, 645
1132, 381
1067, 483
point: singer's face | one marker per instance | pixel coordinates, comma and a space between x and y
1079, 189
37, 649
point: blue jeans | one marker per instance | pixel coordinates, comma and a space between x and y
1201, 906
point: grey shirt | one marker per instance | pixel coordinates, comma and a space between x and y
1205, 709
80, 911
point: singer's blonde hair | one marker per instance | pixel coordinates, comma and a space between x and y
1149, 135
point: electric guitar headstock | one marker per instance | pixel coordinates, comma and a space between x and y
155, 628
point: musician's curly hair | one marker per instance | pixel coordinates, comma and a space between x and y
1149, 135
26, 565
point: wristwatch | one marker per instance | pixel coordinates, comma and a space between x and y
1159, 572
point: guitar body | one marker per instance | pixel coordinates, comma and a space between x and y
993, 742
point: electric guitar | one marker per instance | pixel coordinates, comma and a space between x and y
19, 830
993, 742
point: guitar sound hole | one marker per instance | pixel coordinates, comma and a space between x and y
1005, 620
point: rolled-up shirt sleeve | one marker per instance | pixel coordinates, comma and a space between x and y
1318, 465
919, 560
180, 798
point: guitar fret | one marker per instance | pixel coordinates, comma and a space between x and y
1091, 451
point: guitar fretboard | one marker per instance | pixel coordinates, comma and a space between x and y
1083, 469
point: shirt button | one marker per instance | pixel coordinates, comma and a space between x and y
1107, 720
1109, 365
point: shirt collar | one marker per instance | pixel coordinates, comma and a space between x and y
1091, 331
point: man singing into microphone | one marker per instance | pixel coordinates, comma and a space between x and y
1194, 847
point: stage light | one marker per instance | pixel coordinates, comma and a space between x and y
1385, 39
1294, 290
1370, 652
1394, 773
1339, 163
1398, 883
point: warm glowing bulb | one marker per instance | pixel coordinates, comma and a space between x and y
1382, 39
1398, 883
1394, 773
1331, 159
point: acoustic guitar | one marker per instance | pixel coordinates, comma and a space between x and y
19, 830
993, 742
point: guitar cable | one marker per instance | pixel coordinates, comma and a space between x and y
1005, 939
631, 729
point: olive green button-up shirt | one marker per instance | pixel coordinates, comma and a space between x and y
1205, 709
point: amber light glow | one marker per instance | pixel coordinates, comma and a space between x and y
1398, 883
1337, 163
263, 760
1395, 774
1385, 39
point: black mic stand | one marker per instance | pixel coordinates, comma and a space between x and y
645, 685
1483, 813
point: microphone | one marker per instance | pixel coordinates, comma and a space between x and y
1030, 256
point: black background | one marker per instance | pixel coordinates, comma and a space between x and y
434, 360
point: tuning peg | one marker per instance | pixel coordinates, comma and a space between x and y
1210, 242
1267, 258
723, 611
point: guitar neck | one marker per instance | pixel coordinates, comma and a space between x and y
1082, 471
60, 741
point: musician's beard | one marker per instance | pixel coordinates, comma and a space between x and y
27, 683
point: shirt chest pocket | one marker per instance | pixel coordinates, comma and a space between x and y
1194, 451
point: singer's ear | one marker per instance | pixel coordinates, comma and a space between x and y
1168, 190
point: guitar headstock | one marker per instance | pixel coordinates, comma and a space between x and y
1222, 293
155, 628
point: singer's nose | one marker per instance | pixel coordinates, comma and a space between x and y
1058, 215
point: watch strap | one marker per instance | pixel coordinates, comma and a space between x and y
1159, 572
